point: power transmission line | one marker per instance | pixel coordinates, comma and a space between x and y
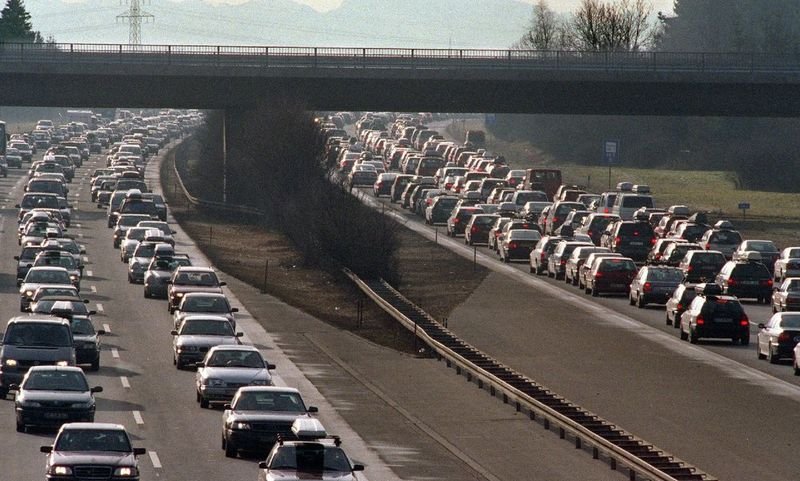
134, 17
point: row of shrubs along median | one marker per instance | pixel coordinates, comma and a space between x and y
274, 164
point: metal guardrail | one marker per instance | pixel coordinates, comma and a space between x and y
261, 57
602, 436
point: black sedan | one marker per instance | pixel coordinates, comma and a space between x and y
654, 284
50, 396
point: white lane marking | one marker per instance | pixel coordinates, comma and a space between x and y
137, 416
93, 289
78, 226
125, 383
80, 234
154, 459
89, 274
115, 353
107, 328
100, 307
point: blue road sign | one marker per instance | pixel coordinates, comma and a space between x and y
744, 205
611, 151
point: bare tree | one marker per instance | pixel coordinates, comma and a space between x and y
545, 30
621, 25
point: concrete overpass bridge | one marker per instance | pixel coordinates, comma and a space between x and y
439, 80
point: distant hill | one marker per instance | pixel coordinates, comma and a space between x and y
360, 23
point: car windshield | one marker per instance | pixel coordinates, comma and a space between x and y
205, 304
114, 440
47, 277
728, 237
135, 233
196, 279
232, 358
276, 401
310, 457
56, 381
130, 221
39, 201
67, 262
206, 327
761, 246
82, 327
168, 264
44, 306
611, 265
38, 335
665, 275
162, 226
145, 250
708, 259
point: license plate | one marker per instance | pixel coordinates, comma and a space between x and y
636, 243
617, 286
749, 283
55, 415
723, 320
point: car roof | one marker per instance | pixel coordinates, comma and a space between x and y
205, 317
56, 368
235, 347
194, 269
93, 426
204, 294
268, 389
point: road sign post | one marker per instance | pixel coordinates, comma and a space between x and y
744, 206
610, 155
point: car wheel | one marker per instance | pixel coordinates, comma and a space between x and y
684, 336
759, 354
20, 427
531, 269
693, 337
631, 301
796, 368
230, 450
146, 293
669, 321
640, 302
746, 341
771, 356
223, 442
204, 403
594, 291
95, 364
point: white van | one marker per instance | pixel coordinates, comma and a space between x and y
627, 203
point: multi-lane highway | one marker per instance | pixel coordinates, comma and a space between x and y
713, 405
447, 430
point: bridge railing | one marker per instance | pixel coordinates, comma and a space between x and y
387, 58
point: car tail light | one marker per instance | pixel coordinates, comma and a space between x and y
766, 282
606, 211
708, 246
783, 337
652, 241
512, 245
456, 220
474, 229
542, 256
598, 275
648, 287
657, 256
428, 201
590, 233
680, 306
555, 220
731, 281
744, 321
617, 240
563, 262
689, 269
700, 321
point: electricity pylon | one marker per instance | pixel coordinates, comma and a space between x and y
134, 17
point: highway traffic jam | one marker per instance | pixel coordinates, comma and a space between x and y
51, 352
613, 243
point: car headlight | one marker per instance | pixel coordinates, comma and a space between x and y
126, 471
10, 362
179, 294
187, 348
62, 363
28, 293
60, 470
73, 277
240, 426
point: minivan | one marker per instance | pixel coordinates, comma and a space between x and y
627, 203
33, 341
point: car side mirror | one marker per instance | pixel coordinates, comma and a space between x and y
199, 364
358, 467
101, 332
227, 406
83, 251
139, 451
270, 366
312, 409
761, 325
173, 332
16, 258
28, 265
92, 313
16, 206
223, 283
13, 387
46, 449
239, 334
96, 389
261, 464
235, 309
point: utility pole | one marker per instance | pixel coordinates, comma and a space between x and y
134, 17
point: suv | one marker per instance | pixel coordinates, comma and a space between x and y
458, 219
557, 262
767, 252
92, 451
595, 224
33, 341
701, 266
712, 314
632, 239
748, 278
477, 229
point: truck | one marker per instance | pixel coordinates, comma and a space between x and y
82, 116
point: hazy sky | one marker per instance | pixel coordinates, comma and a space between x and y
560, 5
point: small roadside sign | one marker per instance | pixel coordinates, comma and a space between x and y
744, 206
611, 151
